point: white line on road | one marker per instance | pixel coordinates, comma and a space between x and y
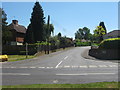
92, 66
41, 67
83, 66
102, 65
74, 66
14, 74
113, 65
12, 67
66, 57
58, 64
23, 67
32, 67
86, 74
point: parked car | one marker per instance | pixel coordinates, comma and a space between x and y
3, 58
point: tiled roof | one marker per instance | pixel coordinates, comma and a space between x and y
18, 28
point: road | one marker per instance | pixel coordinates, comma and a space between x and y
62, 67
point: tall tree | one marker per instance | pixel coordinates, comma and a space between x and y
29, 35
103, 25
98, 33
37, 22
6, 34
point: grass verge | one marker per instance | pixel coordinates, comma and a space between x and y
12, 58
88, 85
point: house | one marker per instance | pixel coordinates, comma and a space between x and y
18, 33
112, 34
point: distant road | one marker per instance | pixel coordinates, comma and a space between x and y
62, 67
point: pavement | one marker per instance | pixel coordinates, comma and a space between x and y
62, 67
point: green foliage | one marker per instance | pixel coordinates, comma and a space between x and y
6, 34
112, 43
29, 38
79, 43
83, 33
37, 22
103, 25
48, 32
98, 33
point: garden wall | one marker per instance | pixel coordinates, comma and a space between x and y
104, 54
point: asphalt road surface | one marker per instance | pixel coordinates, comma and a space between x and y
62, 67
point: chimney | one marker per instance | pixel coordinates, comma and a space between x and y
15, 22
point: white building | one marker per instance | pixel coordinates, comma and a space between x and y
112, 34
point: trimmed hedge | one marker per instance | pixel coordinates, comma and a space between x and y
83, 43
113, 43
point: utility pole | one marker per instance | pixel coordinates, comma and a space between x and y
38, 45
48, 27
26, 50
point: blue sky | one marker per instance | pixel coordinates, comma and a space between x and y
67, 17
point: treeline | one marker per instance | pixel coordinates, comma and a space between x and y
84, 35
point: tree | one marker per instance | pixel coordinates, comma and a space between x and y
46, 32
59, 35
103, 25
98, 33
6, 34
37, 22
29, 38
82, 33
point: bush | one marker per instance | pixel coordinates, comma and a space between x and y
83, 43
113, 43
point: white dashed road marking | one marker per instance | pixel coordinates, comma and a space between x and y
92, 66
58, 64
86, 74
102, 65
14, 74
66, 57
41, 67
83, 66
113, 65
32, 67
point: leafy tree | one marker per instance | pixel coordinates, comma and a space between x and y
37, 22
6, 34
103, 25
46, 32
98, 33
83, 33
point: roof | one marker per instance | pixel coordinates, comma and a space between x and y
114, 32
17, 27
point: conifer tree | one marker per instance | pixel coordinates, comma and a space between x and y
103, 25
37, 22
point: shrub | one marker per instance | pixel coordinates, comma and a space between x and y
112, 43
83, 43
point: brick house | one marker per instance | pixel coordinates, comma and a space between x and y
18, 33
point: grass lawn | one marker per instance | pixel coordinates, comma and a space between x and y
18, 57
88, 85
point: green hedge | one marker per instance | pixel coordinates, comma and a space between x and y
112, 43
83, 43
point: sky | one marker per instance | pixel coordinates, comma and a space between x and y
67, 17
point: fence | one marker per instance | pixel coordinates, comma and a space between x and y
32, 49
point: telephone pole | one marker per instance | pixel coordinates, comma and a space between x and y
48, 27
